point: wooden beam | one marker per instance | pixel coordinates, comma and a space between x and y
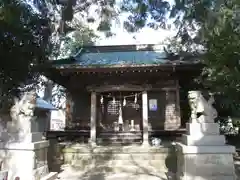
123, 87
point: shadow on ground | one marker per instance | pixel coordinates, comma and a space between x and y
121, 163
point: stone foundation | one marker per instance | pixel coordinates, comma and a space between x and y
122, 159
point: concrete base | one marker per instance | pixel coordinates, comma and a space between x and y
201, 163
27, 161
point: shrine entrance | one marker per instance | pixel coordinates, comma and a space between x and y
120, 112
119, 117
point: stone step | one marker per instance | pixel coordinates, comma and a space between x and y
50, 176
119, 138
125, 166
122, 162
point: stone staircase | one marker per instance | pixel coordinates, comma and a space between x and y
121, 159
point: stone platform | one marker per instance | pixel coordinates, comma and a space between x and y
134, 159
203, 154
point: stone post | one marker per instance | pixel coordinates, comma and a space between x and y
203, 155
145, 117
93, 118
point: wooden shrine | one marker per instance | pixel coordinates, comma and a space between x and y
123, 90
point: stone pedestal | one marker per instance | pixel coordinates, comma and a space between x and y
25, 158
27, 161
23, 150
203, 155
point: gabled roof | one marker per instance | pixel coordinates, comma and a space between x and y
119, 56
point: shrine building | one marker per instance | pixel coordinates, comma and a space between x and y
126, 89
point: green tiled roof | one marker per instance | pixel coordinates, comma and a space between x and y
117, 56
120, 58
114, 57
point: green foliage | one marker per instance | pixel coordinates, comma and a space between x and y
216, 25
81, 36
106, 11
24, 45
222, 41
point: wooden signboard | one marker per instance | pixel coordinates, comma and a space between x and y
153, 105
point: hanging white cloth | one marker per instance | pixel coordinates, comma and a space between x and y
101, 100
135, 99
120, 118
114, 100
124, 102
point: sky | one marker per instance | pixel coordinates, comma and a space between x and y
144, 36
122, 37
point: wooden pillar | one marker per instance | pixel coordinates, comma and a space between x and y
69, 109
145, 117
178, 109
93, 118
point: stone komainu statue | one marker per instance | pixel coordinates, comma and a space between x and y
25, 105
23, 112
201, 108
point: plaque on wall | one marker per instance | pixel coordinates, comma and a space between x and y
153, 104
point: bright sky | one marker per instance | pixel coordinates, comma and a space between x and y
144, 36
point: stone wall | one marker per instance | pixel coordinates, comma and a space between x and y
172, 111
122, 159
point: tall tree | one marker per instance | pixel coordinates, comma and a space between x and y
24, 45
212, 25
222, 42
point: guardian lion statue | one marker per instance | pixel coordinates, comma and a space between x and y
22, 113
201, 109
